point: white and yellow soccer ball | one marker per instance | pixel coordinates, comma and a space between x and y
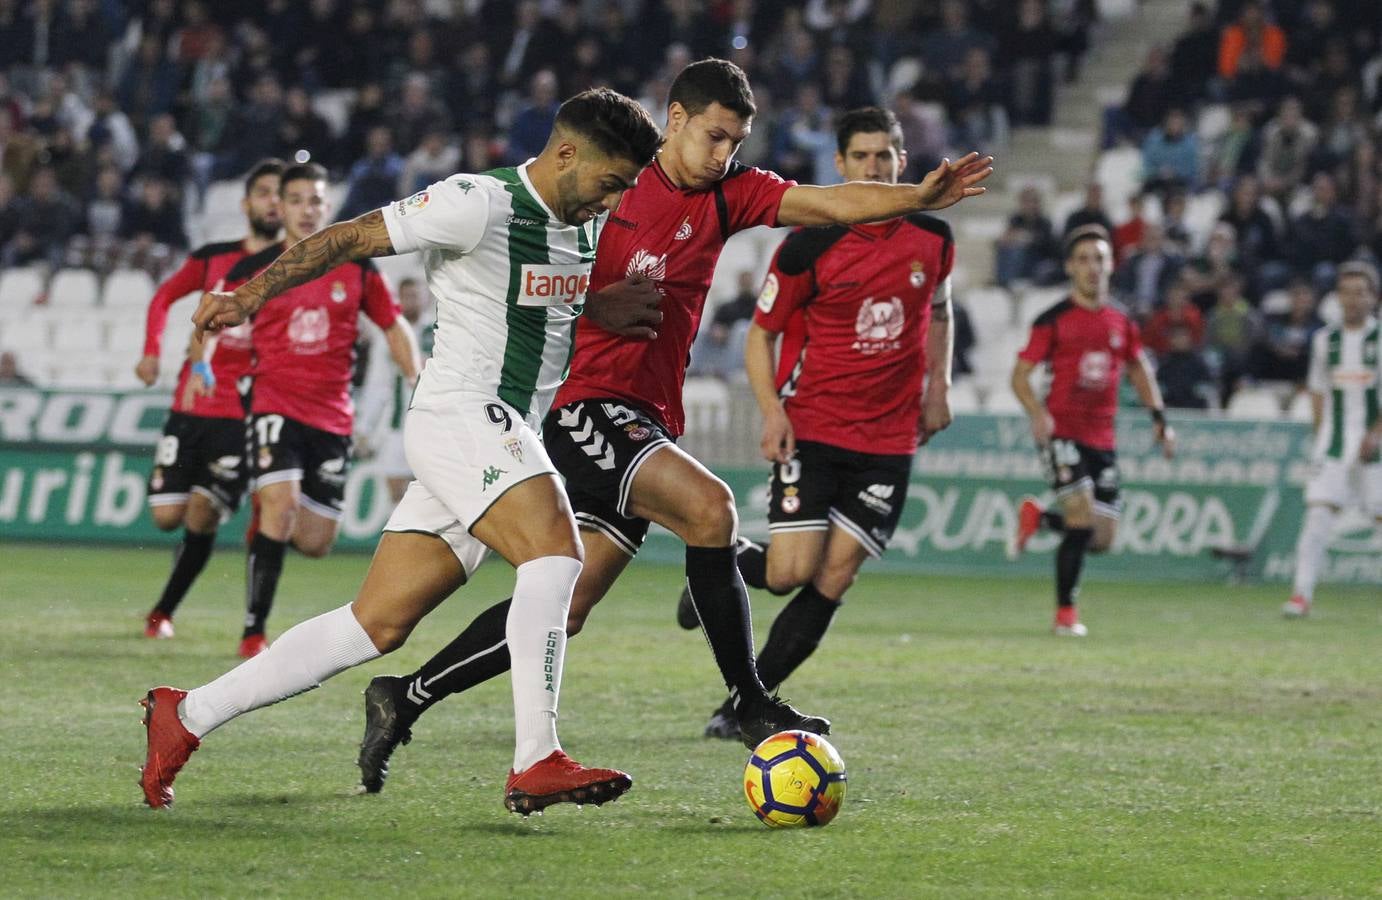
795, 779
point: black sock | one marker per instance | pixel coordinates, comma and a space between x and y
1069, 561
795, 634
722, 602
753, 563
477, 654
189, 558
264, 565
1053, 520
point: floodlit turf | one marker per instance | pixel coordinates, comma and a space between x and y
1196, 744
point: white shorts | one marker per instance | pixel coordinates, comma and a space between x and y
1337, 483
464, 457
390, 456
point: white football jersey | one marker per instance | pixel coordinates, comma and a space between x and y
1345, 368
509, 279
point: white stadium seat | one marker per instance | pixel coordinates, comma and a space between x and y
73, 289
79, 339
990, 311
24, 334
1254, 403
19, 288
964, 396
1300, 410
128, 289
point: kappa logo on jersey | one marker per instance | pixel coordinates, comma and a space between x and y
654, 268
918, 276
519, 220
308, 329
418, 202
768, 295
338, 292
684, 232
1096, 367
549, 285
878, 325
491, 475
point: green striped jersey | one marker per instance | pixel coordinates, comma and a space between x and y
1346, 369
509, 279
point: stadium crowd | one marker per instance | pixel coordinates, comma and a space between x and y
115, 116
1259, 130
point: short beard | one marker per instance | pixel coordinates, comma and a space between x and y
567, 184
264, 230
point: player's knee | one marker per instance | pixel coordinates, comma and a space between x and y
711, 519
314, 548
167, 518
387, 636
787, 576
834, 581
575, 621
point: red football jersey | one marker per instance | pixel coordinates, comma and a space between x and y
855, 307
674, 237
304, 345
205, 269
1086, 350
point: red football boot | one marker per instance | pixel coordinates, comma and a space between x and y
1028, 522
1068, 623
560, 779
170, 744
158, 625
252, 646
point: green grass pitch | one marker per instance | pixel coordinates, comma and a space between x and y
1195, 744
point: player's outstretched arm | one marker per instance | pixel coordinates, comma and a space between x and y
867, 201
1144, 382
403, 349
364, 237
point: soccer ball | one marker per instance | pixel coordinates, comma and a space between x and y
795, 779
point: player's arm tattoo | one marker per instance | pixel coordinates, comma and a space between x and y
364, 237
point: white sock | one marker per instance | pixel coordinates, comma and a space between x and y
301, 659
1311, 547
536, 632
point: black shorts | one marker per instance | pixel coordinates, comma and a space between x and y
287, 450
861, 493
598, 447
1072, 466
201, 455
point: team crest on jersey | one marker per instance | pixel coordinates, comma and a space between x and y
684, 232
338, 292
654, 268
878, 325
266, 458
515, 448
308, 329
156, 480
637, 432
418, 202
1096, 368
767, 296
918, 276
790, 501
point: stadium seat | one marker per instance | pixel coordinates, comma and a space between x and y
20, 288
706, 401
78, 339
24, 334
1036, 301
1202, 211
990, 311
1001, 401
964, 396
73, 289
127, 289
1300, 410
1254, 403
334, 107
77, 374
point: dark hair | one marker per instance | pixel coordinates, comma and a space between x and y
868, 120
270, 166
713, 80
1084, 233
615, 124
308, 171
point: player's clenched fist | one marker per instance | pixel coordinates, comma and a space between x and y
219, 309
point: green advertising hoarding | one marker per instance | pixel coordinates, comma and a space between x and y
73, 466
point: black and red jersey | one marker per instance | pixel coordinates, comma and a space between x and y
1086, 350
205, 269
854, 306
674, 237
304, 341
